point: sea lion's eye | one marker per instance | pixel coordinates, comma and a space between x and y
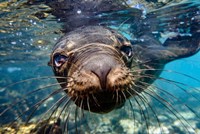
127, 50
59, 60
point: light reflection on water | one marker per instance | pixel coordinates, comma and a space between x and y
25, 35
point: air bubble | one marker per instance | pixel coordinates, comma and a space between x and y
79, 12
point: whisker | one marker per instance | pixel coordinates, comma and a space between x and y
66, 114
95, 100
81, 112
76, 112
153, 110
145, 100
142, 113
176, 84
174, 97
31, 79
169, 71
90, 113
117, 95
125, 98
134, 118
161, 100
57, 104
146, 109
120, 26
67, 104
36, 106
88, 104
27, 95
166, 104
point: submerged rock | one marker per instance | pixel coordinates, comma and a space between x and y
43, 127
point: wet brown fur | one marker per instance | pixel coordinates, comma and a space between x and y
100, 76
87, 84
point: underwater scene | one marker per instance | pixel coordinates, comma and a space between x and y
99, 66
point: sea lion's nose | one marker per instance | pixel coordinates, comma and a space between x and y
101, 65
101, 72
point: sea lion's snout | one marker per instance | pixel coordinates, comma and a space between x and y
99, 72
98, 79
99, 66
97, 61
93, 67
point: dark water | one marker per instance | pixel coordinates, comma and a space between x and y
25, 45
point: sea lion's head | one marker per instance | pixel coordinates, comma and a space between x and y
95, 62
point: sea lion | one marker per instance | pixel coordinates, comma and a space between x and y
103, 69
94, 61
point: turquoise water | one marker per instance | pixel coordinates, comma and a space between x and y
25, 47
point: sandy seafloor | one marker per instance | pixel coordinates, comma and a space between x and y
25, 46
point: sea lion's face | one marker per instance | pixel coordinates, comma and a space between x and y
97, 77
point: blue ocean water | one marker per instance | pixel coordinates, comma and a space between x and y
25, 47
188, 66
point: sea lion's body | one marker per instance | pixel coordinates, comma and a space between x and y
93, 67
103, 69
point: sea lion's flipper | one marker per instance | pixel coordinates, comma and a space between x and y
149, 49
183, 46
176, 30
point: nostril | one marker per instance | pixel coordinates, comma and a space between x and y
100, 64
102, 75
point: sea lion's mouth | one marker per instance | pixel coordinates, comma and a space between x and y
97, 94
98, 79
